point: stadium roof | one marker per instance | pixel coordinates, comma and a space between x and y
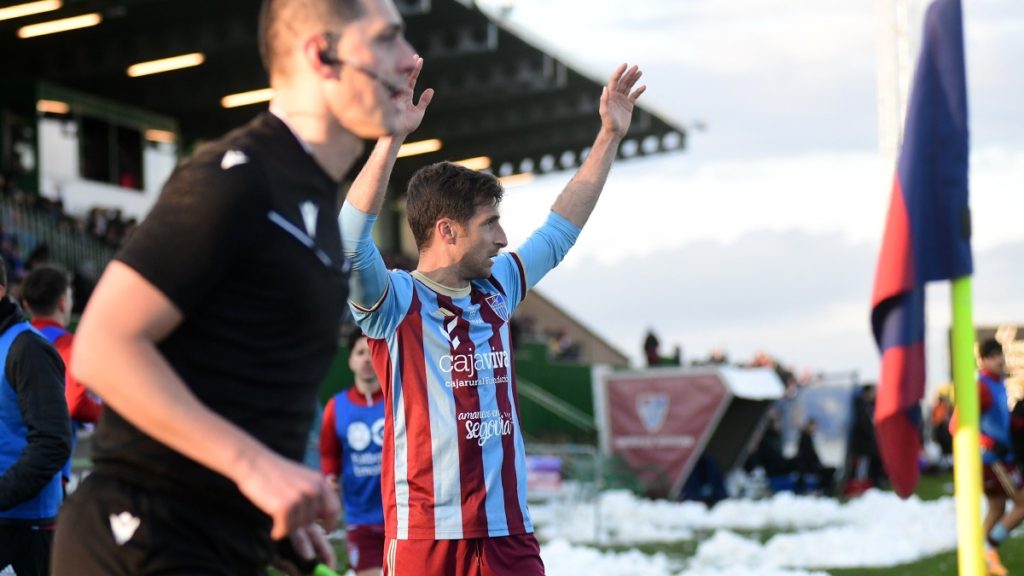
498, 95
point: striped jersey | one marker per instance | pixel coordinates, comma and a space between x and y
454, 463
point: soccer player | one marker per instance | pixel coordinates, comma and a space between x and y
46, 296
350, 448
35, 441
209, 335
454, 473
1001, 479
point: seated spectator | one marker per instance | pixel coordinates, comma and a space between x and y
808, 464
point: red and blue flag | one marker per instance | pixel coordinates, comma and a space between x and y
927, 236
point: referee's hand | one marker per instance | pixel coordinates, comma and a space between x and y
291, 494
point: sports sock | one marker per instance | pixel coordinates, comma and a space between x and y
997, 535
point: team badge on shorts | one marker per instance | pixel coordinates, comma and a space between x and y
497, 304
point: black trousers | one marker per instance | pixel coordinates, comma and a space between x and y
26, 549
111, 526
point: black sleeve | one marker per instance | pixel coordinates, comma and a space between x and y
36, 373
197, 227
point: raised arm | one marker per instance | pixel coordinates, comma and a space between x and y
366, 196
371, 185
579, 197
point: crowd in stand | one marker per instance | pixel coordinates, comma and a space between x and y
106, 224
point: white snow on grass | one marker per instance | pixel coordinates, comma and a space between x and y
877, 529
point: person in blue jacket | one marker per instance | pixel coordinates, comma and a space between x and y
351, 439
35, 441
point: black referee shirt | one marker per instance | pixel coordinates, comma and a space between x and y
245, 241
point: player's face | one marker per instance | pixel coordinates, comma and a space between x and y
995, 363
361, 363
371, 82
481, 239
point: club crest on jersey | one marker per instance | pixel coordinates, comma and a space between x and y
498, 305
652, 409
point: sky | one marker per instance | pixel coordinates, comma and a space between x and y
764, 233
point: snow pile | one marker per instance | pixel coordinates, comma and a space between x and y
877, 529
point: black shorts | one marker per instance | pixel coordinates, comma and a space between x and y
25, 549
111, 526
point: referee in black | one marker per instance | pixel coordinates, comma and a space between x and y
209, 334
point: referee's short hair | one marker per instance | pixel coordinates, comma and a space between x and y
446, 190
43, 288
281, 19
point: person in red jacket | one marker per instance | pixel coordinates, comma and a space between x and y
46, 296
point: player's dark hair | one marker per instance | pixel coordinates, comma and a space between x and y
3, 273
354, 337
43, 288
990, 347
446, 190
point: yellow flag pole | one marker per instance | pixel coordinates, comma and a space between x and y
967, 440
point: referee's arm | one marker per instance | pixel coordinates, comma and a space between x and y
115, 355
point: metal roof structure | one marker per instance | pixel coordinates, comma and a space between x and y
497, 94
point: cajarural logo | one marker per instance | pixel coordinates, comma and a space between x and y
466, 364
470, 364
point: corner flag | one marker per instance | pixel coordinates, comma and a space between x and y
927, 236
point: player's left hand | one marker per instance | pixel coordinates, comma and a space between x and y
618, 98
410, 114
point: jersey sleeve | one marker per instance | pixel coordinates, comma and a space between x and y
519, 271
330, 445
984, 396
81, 406
379, 299
197, 227
382, 321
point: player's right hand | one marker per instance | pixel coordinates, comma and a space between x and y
291, 494
303, 550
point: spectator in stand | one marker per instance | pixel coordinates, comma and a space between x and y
11, 256
39, 256
47, 297
562, 347
865, 462
34, 441
769, 455
350, 457
651, 346
808, 463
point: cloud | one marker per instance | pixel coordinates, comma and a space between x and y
801, 296
788, 292
777, 78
